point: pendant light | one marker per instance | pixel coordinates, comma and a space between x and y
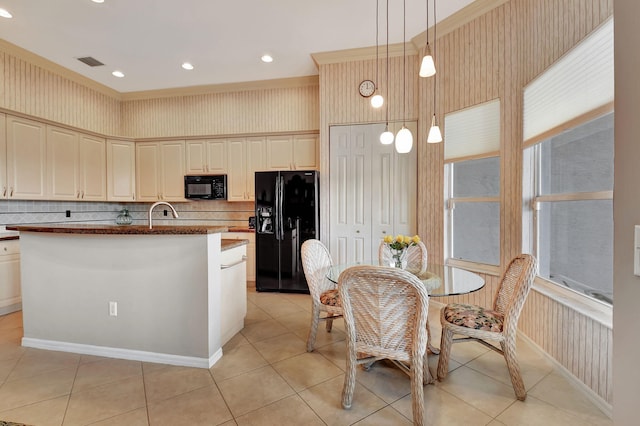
377, 100
404, 138
386, 137
428, 67
434, 135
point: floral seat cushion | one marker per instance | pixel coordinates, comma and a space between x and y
330, 298
475, 317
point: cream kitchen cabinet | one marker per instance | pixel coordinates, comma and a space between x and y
76, 166
3, 156
292, 152
10, 297
160, 170
251, 250
206, 157
233, 292
121, 170
26, 159
246, 156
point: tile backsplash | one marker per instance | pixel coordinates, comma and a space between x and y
19, 212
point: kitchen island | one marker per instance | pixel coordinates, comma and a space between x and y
171, 294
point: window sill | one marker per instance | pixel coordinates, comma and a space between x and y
590, 308
481, 268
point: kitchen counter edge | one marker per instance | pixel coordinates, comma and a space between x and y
119, 229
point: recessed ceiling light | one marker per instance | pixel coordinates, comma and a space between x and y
187, 66
118, 74
5, 13
98, 1
266, 58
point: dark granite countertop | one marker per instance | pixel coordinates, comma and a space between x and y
228, 244
118, 229
9, 235
241, 229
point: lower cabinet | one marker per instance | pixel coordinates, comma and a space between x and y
233, 279
251, 250
10, 296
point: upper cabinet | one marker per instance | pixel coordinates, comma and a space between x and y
41, 161
4, 190
76, 166
26, 156
246, 156
206, 157
121, 170
291, 152
160, 170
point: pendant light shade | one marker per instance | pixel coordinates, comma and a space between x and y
435, 136
427, 67
404, 141
404, 138
386, 137
377, 101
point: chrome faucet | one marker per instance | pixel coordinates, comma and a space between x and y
173, 211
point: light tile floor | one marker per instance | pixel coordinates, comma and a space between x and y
266, 377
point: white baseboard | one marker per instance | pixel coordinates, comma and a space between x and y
14, 307
597, 400
134, 355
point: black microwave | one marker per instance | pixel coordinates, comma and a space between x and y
208, 187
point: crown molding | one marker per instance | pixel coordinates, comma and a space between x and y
280, 83
362, 54
47, 65
462, 17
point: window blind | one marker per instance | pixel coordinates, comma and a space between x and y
472, 131
580, 81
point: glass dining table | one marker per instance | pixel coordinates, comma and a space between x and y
440, 280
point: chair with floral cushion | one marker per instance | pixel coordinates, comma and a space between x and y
416, 256
316, 261
385, 316
497, 324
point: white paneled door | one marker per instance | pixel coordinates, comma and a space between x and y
372, 191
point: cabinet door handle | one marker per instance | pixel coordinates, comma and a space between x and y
133, 196
244, 259
11, 192
4, 191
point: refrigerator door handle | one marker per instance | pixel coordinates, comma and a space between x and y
280, 208
276, 216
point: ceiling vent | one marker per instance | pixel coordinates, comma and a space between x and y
92, 62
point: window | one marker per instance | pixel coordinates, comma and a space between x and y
568, 167
472, 189
473, 203
570, 179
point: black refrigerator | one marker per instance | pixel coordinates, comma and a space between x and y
287, 214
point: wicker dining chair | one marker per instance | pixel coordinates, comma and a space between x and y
498, 324
416, 257
385, 314
316, 261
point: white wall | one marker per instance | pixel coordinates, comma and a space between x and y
626, 210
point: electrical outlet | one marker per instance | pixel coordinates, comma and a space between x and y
113, 309
68, 213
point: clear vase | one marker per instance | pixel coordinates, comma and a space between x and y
398, 260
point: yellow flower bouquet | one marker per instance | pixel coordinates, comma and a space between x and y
398, 247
